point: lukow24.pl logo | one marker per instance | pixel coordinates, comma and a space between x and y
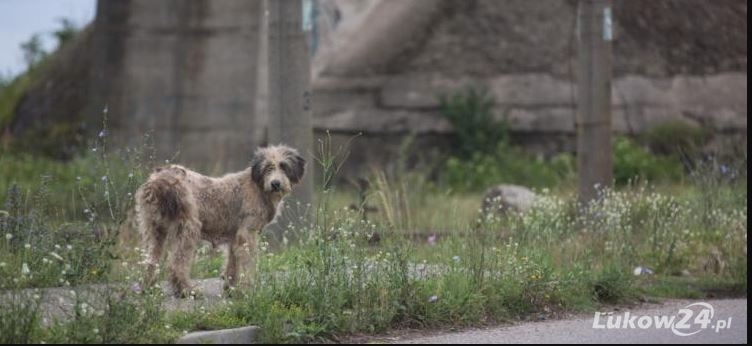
682, 324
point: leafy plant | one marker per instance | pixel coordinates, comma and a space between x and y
631, 162
676, 138
476, 129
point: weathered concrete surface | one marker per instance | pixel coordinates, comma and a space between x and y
385, 75
533, 102
184, 70
244, 335
59, 303
487, 37
579, 330
187, 71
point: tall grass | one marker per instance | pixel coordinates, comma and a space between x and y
438, 261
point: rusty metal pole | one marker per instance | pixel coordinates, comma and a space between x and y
594, 153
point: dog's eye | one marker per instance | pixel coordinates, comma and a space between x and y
267, 168
283, 166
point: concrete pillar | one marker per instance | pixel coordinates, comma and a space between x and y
595, 35
185, 70
289, 99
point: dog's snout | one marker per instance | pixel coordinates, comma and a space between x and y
276, 185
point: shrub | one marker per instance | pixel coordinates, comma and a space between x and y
475, 127
482, 155
676, 138
634, 162
507, 164
613, 285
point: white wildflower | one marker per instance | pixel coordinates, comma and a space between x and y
25, 269
58, 257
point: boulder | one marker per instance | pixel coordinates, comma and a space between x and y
503, 199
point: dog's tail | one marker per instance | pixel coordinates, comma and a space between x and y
167, 194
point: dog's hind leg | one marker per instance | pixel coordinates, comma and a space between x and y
241, 259
154, 239
183, 251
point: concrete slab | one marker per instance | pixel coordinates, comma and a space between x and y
243, 335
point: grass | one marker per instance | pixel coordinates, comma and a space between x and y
332, 281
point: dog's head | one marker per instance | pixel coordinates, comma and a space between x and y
276, 169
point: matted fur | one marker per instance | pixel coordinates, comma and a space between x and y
177, 207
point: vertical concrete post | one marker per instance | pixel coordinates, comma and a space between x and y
594, 32
289, 100
184, 71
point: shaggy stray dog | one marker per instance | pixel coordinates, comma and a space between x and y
179, 206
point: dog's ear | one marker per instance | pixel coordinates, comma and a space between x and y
257, 163
296, 168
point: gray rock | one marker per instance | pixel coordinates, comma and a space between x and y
504, 199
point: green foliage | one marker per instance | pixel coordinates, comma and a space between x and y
19, 318
123, 317
53, 211
470, 113
332, 281
676, 138
11, 93
66, 33
612, 285
482, 154
33, 52
631, 162
508, 165
12, 89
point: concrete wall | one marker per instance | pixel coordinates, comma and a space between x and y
184, 69
187, 70
673, 60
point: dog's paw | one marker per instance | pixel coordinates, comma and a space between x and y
192, 293
233, 292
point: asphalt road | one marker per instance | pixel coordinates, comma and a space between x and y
580, 329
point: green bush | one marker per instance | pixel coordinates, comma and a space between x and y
676, 138
60, 220
507, 164
482, 155
631, 162
613, 285
476, 129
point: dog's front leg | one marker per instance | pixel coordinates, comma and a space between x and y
241, 259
